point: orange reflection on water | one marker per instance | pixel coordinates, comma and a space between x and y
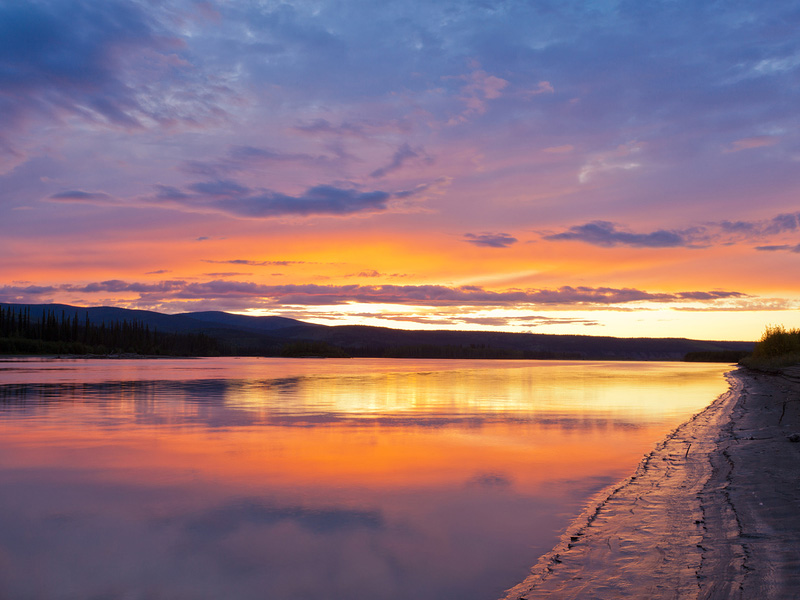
373, 455
447, 478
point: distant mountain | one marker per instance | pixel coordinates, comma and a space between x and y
360, 340
179, 323
244, 321
272, 335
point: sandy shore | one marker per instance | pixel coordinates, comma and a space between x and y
713, 512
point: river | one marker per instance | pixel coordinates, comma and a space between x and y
312, 478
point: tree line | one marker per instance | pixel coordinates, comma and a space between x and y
51, 333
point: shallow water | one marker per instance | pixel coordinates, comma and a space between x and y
327, 479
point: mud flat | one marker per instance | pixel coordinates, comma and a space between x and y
712, 513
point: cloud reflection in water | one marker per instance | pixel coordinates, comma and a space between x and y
215, 479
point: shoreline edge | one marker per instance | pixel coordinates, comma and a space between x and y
712, 513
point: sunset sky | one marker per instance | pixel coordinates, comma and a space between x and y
598, 167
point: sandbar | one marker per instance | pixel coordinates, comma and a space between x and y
712, 513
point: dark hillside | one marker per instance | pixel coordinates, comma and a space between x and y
274, 336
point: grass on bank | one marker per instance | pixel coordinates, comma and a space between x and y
778, 348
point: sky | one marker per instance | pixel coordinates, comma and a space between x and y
604, 167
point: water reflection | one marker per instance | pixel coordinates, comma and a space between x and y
253, 478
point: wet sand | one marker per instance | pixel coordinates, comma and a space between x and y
712, 513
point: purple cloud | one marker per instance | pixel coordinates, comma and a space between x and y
401, 156
116, 285
258, 263
246, 158
783, 223
168, 192
779, 248
490, 240
27, 294
219, 188
152, 294
81, 196
738, 227
325, 127
318, 200
605, 233
229, 197
112, 64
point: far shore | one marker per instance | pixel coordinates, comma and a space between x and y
712, 513
120, 356
134, 355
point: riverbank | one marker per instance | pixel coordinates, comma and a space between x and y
712, 513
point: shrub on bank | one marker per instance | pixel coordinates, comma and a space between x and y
777, 348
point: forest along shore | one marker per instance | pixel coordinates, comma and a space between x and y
712, 513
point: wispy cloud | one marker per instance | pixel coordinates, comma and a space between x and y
257, 263
259, 295
608, 234
325, 127
249, 158
372, 274
760, 141
543, 87
526, 321
622, 158
115, 67
317, 200
479, 88
779, 248
27, 293
236, 200
490, 240
605, 233
83, 196
563, 149
402, 155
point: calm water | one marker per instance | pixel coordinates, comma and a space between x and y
326, 479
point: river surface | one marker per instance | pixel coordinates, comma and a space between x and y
324, 479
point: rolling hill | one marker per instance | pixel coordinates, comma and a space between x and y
272, 335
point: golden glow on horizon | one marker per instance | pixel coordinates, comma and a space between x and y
323, 253
654, 321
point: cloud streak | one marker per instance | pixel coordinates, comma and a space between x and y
108, 65
257, 263
318, 295
400, 158
607, 234
233, 199
490, 240
780, 248
248, 158
238, 201
761, 141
